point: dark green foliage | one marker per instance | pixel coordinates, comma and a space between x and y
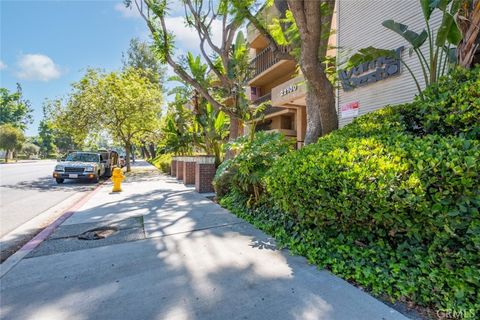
450, 107
245, 172
390, 202
224, 178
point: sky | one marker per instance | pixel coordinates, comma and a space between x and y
47, 45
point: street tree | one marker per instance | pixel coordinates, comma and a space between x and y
52, 136
30, 149
46, 139
14, 108
227, 61
126, 104
141, 56
306, 26
11, 139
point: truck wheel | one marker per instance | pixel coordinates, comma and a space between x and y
59, 180
95, 180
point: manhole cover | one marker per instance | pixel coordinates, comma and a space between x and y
97, 233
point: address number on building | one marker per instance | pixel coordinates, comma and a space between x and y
288, 90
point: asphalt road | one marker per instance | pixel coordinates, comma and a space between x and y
28, 189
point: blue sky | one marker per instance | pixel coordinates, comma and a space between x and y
47, 45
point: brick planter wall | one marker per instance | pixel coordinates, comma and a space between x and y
189, 170
173, 168
179, 171
204, 173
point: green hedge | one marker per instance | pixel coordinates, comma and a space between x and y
450, 107
162, 162
391, 201
412, 195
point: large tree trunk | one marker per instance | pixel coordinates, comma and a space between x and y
313, 27
321, 111
7, 153
314, 127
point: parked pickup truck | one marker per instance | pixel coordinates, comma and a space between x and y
80, 165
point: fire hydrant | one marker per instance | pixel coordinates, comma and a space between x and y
117, 178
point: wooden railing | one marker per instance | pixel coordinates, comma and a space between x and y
264, 60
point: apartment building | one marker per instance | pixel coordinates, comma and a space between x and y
279, 81
276, 81
356, 24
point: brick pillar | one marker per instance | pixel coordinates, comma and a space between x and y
173, 167
189, 170
204, 173
179, 171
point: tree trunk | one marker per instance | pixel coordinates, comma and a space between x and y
320, 98
312, 25
145, 153
314, 127
7, 153
153, 152
127, 156
234, 126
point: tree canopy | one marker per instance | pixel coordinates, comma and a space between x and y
141, 56
14, 108
11, 139
125, 104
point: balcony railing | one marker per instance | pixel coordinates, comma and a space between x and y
262, 99
264, 60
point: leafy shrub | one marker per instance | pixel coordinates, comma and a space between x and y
162, 162
391, 201
450, 107
222, 183
245, 172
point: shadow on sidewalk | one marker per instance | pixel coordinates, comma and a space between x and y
201, 263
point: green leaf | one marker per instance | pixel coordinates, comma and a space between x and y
415, 39
368, 54
448, 31
426, 8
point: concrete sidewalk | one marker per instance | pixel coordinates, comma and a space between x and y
173, 255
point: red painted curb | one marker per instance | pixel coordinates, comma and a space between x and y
39, 238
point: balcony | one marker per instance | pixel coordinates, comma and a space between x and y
264, 60
267, 68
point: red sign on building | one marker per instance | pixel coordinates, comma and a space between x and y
350, 110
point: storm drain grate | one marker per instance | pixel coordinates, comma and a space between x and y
82, 236
97, 233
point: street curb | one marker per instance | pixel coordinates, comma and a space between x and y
15, 258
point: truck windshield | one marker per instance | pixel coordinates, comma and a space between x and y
83, 157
